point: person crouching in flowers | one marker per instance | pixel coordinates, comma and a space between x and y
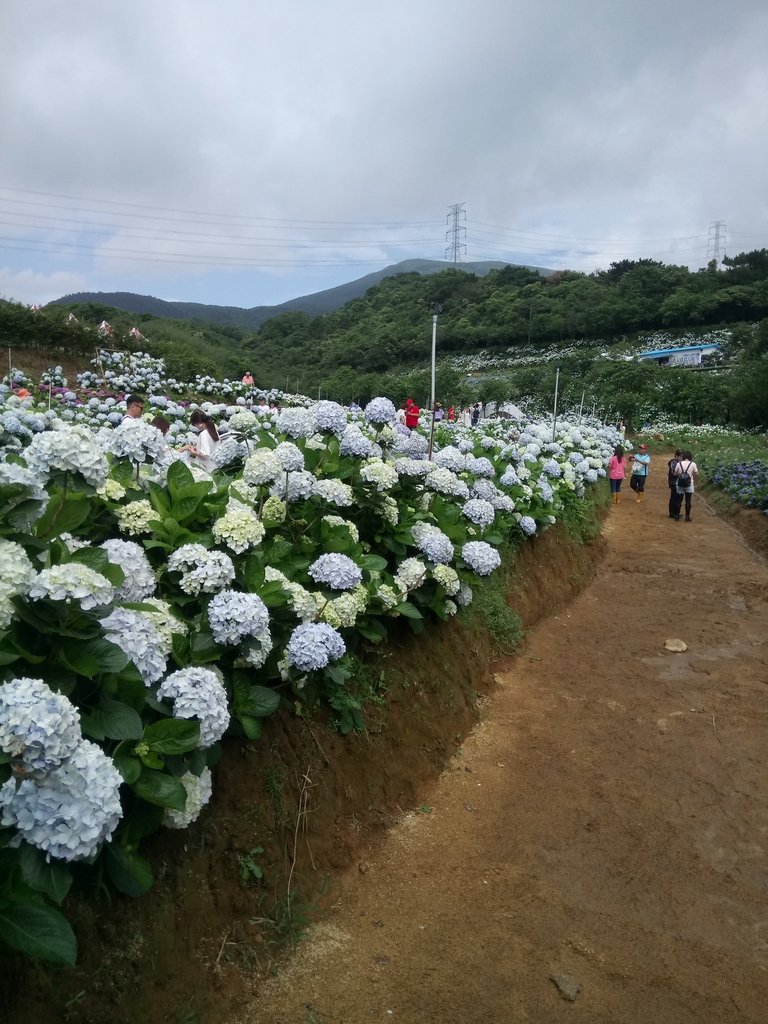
208, 440
617, 468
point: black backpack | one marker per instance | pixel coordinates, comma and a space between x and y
684, 479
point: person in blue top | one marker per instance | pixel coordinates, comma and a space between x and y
640, 465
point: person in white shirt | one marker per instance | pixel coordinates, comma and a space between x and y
208, 440
686, 471
134, 409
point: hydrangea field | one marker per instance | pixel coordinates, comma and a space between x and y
745, 482
149, 609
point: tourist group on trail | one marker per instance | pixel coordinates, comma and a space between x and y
681, 473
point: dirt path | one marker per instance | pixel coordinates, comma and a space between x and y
608, 821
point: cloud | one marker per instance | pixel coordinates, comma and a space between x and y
263, 151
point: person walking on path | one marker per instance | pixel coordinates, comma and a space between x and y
617, 470
640, 466
685, 471
674, 504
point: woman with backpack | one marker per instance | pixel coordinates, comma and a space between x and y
685, 472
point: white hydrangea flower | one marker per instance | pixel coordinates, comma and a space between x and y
413, 467
334, 492
38, 727
199, 789
72, 810
111, 490
450, 458
388, 596
289, 457
261, 468
197, 693
73, 449
337, 571
444, 481
448, 579
481, 557
464, 595
239, 528
295, 423
135, 517
16, 575
389, 510
139, 582
378, 473
411, 573
72, 582
313, 645
138, 441
202, 571
342, 611
137, 635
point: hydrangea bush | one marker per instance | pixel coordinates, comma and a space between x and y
149, 608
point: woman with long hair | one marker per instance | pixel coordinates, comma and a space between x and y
208, 439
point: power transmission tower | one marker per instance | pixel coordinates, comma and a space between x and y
455, 232
716, 241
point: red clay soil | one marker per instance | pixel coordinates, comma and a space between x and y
606, 825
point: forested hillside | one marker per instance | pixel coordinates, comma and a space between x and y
499, 336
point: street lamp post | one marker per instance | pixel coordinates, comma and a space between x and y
436, 308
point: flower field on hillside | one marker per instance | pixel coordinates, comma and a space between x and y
149, 608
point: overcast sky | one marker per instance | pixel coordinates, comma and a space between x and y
243, 153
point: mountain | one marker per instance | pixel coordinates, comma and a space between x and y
314, 305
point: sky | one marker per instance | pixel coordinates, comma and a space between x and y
245, 153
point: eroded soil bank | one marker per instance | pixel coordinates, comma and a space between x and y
300, 805
605, 825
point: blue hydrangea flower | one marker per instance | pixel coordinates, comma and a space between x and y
528, 525
137, 635
197, 693
235, 616
354, 442
38, 727
329, 416
479, 511
336, 571
313, 645
380, 411
481, 557
72, 810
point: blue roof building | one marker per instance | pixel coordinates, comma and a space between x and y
686, 355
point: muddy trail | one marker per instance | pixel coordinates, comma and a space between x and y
596, 851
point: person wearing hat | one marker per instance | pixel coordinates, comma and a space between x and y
640, 465
412, 413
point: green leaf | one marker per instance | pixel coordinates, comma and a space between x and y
251, 726
257, 702
183, 508
172, 735
373, 563
157, 788
130, 873
180, 647
63, 514
408, 610
128, 765
204, 648
50, 877
179, 475
114, 720
38, 931
89, 658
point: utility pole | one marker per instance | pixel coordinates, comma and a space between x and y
455, 232
716, 241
